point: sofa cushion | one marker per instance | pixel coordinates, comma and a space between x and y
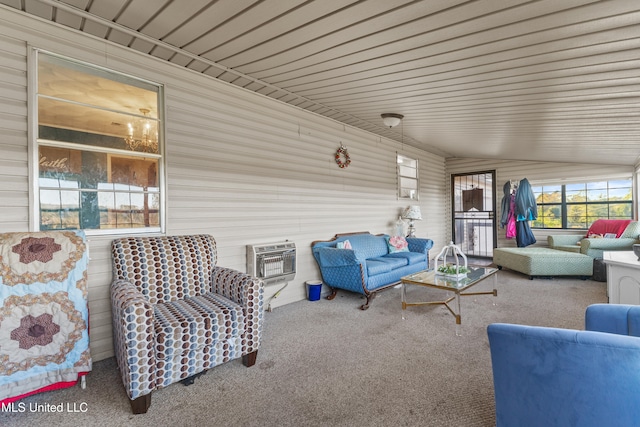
367, 245
411, 257
192, 323
384, 264
333, 257
632, 231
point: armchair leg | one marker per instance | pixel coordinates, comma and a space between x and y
250, 359
141, 404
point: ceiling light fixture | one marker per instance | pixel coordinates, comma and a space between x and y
391, 119
141, 136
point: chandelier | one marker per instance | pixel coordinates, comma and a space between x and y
142, 135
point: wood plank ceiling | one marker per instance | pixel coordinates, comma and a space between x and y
542, 80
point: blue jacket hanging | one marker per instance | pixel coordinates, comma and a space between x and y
526, 210
526, 206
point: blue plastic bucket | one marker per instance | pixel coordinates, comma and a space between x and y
314, 288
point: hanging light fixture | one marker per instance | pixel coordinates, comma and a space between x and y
141, 135
391, 119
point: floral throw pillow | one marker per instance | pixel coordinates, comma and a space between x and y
397, 244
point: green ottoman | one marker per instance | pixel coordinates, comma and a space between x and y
535, 261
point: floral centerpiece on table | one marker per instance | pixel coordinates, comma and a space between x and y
452, 270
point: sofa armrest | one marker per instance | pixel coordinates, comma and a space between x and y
632, 230
247, 291
134, 338
621, 319
417, 244
333, 257
564, 240
619, 244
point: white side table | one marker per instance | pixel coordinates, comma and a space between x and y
623, 277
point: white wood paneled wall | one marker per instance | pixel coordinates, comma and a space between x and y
240, 166
535, 172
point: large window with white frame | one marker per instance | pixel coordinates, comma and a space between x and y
408, 184
98, 148
578, 205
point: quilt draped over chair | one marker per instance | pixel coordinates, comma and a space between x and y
176, 314
44, 317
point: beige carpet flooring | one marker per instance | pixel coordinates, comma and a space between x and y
327, 363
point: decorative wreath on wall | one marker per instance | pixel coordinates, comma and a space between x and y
342, 157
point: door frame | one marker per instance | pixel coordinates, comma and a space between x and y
492, 213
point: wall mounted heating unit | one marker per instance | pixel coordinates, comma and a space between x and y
272, 262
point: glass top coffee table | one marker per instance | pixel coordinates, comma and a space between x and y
430, 279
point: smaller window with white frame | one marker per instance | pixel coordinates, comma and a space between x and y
408, 184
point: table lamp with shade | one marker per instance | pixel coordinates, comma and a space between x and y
412, 213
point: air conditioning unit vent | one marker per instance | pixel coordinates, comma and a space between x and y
272, 262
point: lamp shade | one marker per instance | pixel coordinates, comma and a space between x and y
391, 119
412, 212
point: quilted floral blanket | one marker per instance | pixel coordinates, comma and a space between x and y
44, 319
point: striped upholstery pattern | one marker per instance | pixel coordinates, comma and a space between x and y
175, 313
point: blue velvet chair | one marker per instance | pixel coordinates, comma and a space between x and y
561, 377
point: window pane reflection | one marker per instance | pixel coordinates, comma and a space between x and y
92, 190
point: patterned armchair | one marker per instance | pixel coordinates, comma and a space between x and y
44, 317
176, 314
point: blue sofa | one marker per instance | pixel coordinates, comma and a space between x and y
560, 377
368, 266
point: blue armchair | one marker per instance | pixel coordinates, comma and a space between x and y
560, 377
